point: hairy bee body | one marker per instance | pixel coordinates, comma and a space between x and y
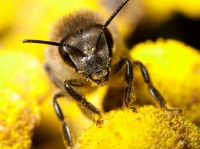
85, 52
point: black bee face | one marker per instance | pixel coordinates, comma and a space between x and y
89, 52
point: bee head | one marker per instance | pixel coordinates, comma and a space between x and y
89, 50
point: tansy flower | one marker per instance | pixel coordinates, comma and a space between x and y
148, 128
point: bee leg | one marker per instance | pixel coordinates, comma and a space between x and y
85, 106
65, 128
153, 91
89, 109
128, 77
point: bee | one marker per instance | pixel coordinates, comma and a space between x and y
81, 55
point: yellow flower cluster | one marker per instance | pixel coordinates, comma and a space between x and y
147, 128
175, 71
23, 86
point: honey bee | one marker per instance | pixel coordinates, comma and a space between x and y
82, 55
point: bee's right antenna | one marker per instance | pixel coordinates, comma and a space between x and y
108, 21
114, 14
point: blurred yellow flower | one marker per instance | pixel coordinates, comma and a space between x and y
23, 74
23, 86
18, 119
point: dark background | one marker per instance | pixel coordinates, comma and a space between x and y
179, 28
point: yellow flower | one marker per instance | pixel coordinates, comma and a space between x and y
18, 118
147, 128
175, 71
23, 86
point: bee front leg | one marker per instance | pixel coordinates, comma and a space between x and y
153, 91
129, 79
65, 128
89, 109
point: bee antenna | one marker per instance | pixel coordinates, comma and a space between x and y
114, 14
108, 22
42, 42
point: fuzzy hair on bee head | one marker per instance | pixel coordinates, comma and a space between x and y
81, 20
